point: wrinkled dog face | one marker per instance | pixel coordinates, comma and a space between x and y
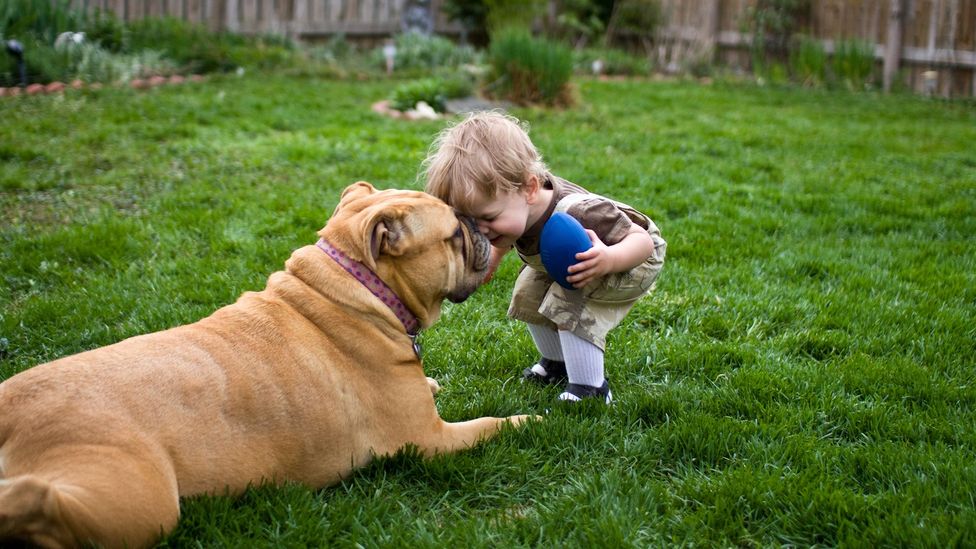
416, 243
475, 251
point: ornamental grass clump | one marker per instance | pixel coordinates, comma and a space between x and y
808, 62
528, 70
853, 64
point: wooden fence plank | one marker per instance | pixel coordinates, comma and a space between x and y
893, 45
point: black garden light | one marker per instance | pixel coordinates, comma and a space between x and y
16, 49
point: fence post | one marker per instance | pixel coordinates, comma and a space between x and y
892, 52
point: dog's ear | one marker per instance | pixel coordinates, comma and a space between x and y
386, 237
358, 189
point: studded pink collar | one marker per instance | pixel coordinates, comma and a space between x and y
373, 283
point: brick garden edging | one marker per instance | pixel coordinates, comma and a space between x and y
136, 84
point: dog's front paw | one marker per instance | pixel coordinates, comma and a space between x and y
434, 386
518, 420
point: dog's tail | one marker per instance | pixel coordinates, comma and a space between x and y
26, 505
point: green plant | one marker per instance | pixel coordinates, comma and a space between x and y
808, 61
433, 91
91, 63
430, 90
580, 22
105, 29
508, 14
197, 49
456, 84
771, 25
634, 21
853, 64
470, 14
419, 52
40, 19
529, 70
612, 60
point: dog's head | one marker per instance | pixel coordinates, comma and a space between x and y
418, 245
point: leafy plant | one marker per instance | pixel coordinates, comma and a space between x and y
772, 24
634, 20
470, 14
40, 19
416, 51
106, 30
199, 50
91, 63
613, 61
431, 91
529, 70
508, 14
581, 22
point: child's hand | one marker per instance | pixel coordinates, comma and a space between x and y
601, 259
593, 263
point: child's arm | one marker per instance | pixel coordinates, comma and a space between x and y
601, 259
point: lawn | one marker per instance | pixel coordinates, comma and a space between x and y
804, 373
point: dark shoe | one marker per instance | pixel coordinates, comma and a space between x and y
576, 393
546, 372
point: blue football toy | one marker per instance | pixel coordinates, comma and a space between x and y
562, 238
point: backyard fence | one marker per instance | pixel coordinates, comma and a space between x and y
300, 19
928, 45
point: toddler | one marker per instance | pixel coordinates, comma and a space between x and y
487, 167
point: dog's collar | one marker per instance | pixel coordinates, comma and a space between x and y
379, 288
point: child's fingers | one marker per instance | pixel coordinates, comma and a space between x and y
580, 267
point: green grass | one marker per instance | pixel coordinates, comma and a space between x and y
803, 375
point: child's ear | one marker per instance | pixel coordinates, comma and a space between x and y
531, 187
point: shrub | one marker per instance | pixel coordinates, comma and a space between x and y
457, 85
772, 24
106, 30
615, 62
580, 22
199, 50
88, 62
634, 20
529, 70
434, 91
406, 96
43, 20
508, 14
418, 51
853, 63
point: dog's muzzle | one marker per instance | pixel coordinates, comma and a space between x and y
480, 252
476, 253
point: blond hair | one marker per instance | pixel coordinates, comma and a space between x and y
485, 154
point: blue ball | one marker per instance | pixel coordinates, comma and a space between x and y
562, 238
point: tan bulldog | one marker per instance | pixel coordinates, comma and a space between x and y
304, 381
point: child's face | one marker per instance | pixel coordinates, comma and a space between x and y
503, 219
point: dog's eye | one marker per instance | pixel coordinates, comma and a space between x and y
457, 233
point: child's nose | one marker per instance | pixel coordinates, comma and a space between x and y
483, 226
